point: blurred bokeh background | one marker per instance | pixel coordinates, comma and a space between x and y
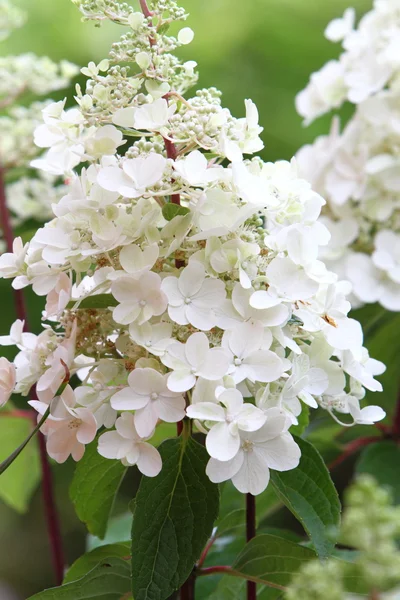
259, 49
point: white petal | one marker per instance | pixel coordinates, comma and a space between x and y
149, 462
219, 471
196, 349
206, 411
220, 442
251, 418
282, 453
146, 420
253, 476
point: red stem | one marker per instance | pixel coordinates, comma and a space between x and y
350, 449
213, 570
187, 590
51, 516
145, 9
250, 534
172, 153
205, 552
53, 524
396, 419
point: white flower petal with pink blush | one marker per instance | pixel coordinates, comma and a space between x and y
155, 338
150, 397
69, 436
139, 299
59, 297
194, 359
7, 380
270, 447
193, 297
126, 445
223, 439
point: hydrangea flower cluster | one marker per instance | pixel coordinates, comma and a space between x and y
371, 526
11, 17
182, 280
356, 169
27, 196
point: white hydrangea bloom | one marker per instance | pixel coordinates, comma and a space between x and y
357, 170
183, 280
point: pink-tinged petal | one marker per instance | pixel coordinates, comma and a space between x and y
282, 453
112, 445
125, 289
146, 381
170, 410
171, 289
149, 462
125, 426
220, 442
253, 476
219, 471
196, 349
216, 364
126, 399
181, 381
191, 279
126, 313
78, 451
201, 318
87, 431
132, 454
146, 420
206, 411
251, 418
211, 294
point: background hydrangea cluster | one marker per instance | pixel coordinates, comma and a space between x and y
356, 169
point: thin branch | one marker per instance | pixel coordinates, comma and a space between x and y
250, 534
51, 516
225, 570
351, 449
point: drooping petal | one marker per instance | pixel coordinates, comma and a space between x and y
206, 411
220, 442
149, 462
219, 471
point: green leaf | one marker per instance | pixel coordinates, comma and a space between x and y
273, 559
109, 580
173, 520
233, 520
385, 345
19, 481
94, 486
382, 460
171, 210
309, 493
303, 421
88, 561
118, 530
98, 301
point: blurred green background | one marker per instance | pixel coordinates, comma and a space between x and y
259, 49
